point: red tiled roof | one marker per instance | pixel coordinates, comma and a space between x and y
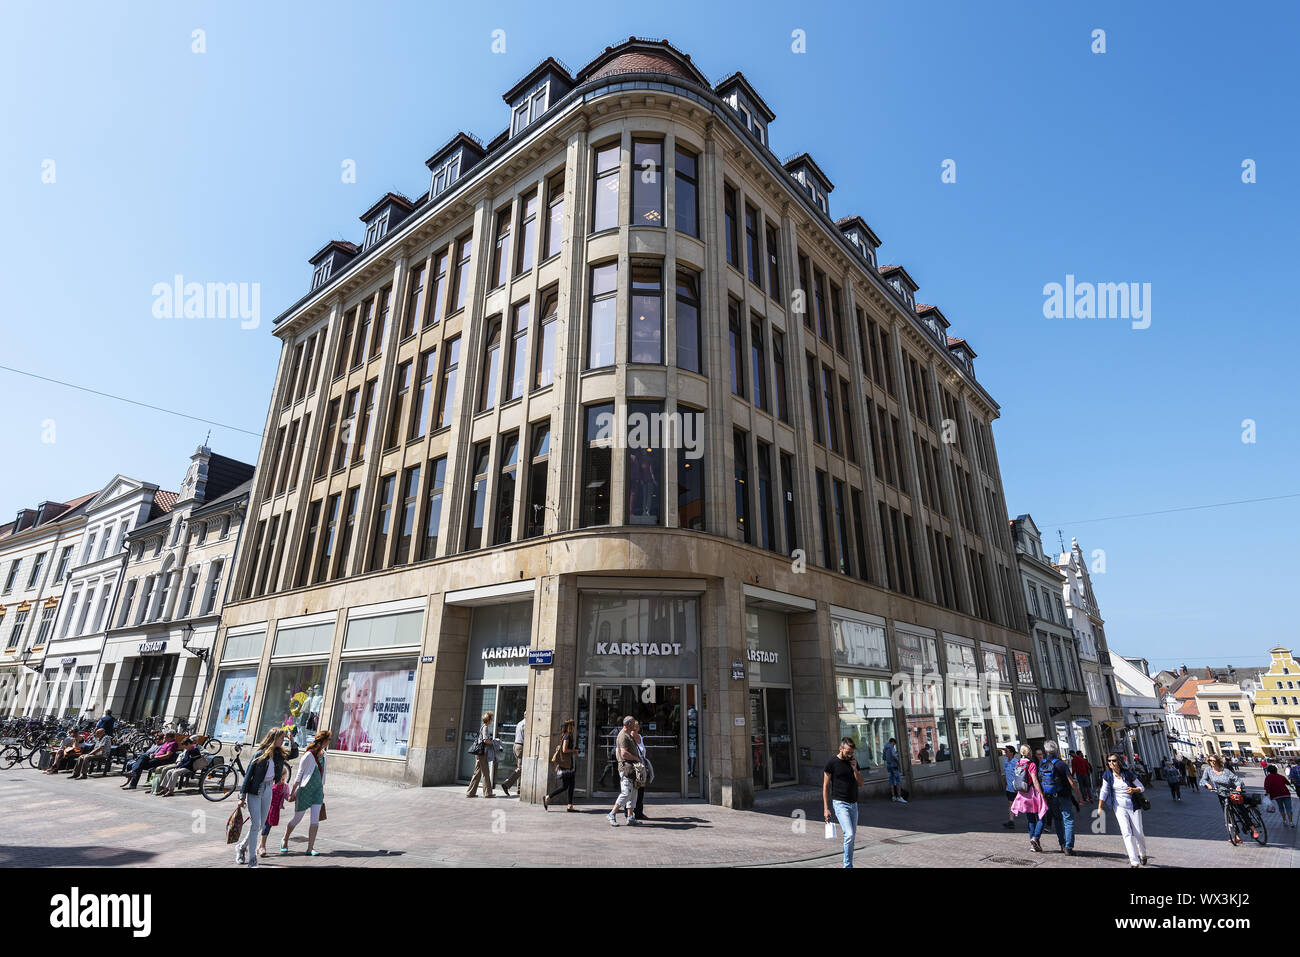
165, 501
642, 62
1189, 707
951, 340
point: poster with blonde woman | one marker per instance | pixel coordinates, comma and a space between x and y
375, 711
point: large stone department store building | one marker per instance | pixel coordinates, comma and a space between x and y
435, 497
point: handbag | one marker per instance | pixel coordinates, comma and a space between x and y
477, 747
322, 811
639, 773
234, 824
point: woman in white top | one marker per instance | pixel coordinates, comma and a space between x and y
308, 793
1119, 786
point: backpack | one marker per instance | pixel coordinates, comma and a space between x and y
1020, 781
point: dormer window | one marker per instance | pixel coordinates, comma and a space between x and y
322, 274
447, 174
377, 230
528, 110
760, 132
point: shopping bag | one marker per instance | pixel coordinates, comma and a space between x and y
1269, 804
830, 830
234, 824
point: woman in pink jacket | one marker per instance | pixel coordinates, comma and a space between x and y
1031, 802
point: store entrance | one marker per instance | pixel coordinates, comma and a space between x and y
667, 714
507, 703
771, 736
150, 687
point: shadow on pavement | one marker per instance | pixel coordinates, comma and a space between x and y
90, 855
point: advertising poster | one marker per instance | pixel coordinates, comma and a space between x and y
234, 700
375, 711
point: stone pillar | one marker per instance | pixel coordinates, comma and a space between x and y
435, 745
553, 689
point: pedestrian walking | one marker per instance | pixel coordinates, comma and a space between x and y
1140, 768
519, 757
267, 766
1081, 768
895, 769
1029, 799
840, 782
1293, 773
308, 793
1173, 777
107, 722
625, 750
565, 772
485, 757
1119, 786
1062, 793
1275, 786
638, 812
1009, 764
101, 745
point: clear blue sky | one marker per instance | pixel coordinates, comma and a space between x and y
1122, 166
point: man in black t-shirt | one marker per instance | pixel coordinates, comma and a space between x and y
840, 784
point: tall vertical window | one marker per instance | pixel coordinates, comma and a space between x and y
345, 344
214, 585
505, 520
304, 559
605, 210
687, 325
686, 200
489, 387
837, 319
367, 416
828, 408
385, 302
646, 328
554, 215
438, 302
327, 440
729, 225
690, 474
850, 440
604, 308
787, 502
518, 370
64, 559
596, 466
296, 469
406, 522
860, 533
382, 523
758, 363
284, 472
433, 509
420, 407
415, 303
644, 464
812, 398
773, 263
828, 545
348, 530
305, 378
401, 406
267, 578
539, 463
293, 374
447, 395
366, 314
464, 252
841, 526
781, 398
737, 348
766, 519
647, 183
501, 252
347, 426
528, 233
804, 292
753, 254
477, 496
544, 367
819, 306
740, 446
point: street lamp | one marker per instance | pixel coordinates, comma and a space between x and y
187, 636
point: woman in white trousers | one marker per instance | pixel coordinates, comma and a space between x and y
1119, 786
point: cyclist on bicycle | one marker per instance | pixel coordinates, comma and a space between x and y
1224, 782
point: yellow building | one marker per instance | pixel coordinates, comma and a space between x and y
1227, 720
1277, 705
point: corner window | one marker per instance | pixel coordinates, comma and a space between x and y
647, 183
686, 196
646, 328
605, 208
596, 466
603, 311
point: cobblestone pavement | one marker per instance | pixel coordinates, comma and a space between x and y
52, 822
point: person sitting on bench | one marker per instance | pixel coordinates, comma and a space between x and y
193, 761
68, 749
100, 746
163, 753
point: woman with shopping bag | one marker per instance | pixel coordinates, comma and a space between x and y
308, 793
1279, 793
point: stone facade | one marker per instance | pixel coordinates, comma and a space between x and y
410, 532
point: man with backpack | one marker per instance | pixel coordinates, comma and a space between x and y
1062, 794
895, 769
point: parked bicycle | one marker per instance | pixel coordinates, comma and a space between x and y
221, 779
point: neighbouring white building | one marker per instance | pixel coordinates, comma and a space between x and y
1087, 624
92, 572
1144, 732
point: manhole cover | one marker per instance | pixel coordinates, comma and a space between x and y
1012, 861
